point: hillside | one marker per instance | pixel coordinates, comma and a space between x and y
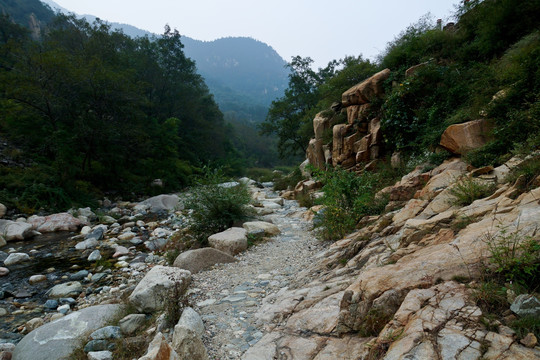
245, 75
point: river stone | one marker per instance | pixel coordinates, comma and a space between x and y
4, 271
105, 333
16, 258
131, 323
3, 256
51, 304
188, 344
191, 320
96, 345
526, 305
34, 324
79, 275
87, 244
100, 355
159, 284
94, 256
3, 210
231, 241
36, 279
57, 340
96, 234
268, 228
160, 203
120, 251
2, 241
15, 230
55, 222
73, 288
64, 309
201, 259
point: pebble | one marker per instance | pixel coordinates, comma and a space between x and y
94, 256
4, 271
63, 309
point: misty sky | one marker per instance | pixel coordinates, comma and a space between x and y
321, 29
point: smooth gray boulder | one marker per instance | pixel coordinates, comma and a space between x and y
187, 337
191, 320
160, 203
16, 258
158, 286
268, 228
58, 339
201, 259
65, 290
131, 323
231, 241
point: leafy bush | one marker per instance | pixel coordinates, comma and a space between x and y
347, 198
467, 190
215, 206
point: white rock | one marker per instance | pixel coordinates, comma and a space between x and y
231, 241
16, 258
35, 279
94, 256
100, 355
268, 228
157, 286
15, 230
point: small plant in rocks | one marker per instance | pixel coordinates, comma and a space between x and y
216, 205
466, 190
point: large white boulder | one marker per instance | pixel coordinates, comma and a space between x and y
16, 230
231, 241
158, 286
55, 222
255, 226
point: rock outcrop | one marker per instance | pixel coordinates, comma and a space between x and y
387, 291
357, 143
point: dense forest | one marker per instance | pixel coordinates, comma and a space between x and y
100, 111
486, 64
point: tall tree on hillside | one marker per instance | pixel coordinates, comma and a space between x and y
289, 117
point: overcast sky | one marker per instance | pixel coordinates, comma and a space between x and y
321, 29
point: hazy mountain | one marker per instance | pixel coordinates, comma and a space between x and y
244, 74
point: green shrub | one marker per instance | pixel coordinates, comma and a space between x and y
467, 190
528, 171
514, 259
216, 207
525, 325
347, 198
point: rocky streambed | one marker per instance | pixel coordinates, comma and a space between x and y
57, 272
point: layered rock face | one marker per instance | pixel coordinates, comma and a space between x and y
388, 291
358, 142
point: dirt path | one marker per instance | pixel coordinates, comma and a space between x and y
229, 295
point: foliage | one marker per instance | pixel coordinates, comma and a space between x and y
215, 207
98, 107
288, 181
526, 324
514, 258
526, 172
347, 198
466, 190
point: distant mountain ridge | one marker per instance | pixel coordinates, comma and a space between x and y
245, 75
